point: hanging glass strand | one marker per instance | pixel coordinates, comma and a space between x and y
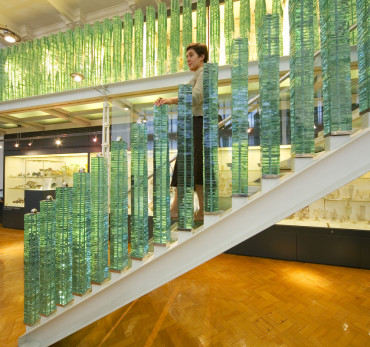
31, 269
214, 31
107, 50
175, 36
185, 155
99, 220
139, 191
352, 20
127, 42
139, 42
119, 206
161, 188
45, 59
70, 47
22, 66
61, 57
187, 29
79, 52
117, 48
278, 9
363, 47
162, 39
260, 12
229, 29
335, 63
2, 74
81, 233
239, 95
301, 76
150, 41
63, 246
98, 53
316, 20
245, 18
210, 138
47, 257
269, 95
88, 55
201, 21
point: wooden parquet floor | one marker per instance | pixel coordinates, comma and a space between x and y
229, 301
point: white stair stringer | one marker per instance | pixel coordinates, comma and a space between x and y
329, 171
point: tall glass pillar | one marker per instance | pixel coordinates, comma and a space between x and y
229, 29
175, 36
201, 21
107, 51
139, 42
214, 31
150, 41
187, 29
127, 43
162, 39
117, 49
245, 20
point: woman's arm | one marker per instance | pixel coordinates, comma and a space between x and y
166, 101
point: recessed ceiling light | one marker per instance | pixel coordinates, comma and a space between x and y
8, 35
58, 142
77, 77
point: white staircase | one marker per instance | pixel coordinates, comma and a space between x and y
316, 178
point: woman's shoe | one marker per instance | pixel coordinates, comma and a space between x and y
174, 214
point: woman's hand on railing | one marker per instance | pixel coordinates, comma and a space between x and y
166, 101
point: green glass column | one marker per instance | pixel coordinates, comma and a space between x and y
61, 43
301, 77
150, 41
117, 49
269, 96
45, 58
239, 113
63, 246
119, 206
363, 47
98, 53
127, 43
162, 39
47, 257
81, 215
139, 191
69, 65
161, 185
229, 29
352, 19
99, 220
31, 269
139, 42
175, 36
278, 9
210, 138
214, 31
260, 12
79, 53
88, 55
108, 52
187, 29
185, 155
201, 21
316, 25
335, 63
245, 18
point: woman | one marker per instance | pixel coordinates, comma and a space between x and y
196, 56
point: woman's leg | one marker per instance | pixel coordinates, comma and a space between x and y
174, 211
199, 191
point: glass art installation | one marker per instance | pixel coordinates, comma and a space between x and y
31, 268
185, 155
352, 19
98, 53
335, 65
107, 55
214, 31
78, 52
99, 220
201, 21
162, 39
161, 185
278, 9
88, 55
119, 206
150, 41
260, 12
81, 231
139, 40
269, 96
301, 77
63, 245
47, 257
239, 113
117, 48
229, 29
175, 36
245, 20
127, 43
210, 137
186, 30
139, 191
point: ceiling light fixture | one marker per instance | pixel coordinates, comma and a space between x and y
58, 142
30, 143
16, 145
95, 139
77, 77
8, 35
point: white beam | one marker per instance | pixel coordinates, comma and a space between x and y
67, 116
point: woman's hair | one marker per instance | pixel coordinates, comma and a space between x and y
199, 48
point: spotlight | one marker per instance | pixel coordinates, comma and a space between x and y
95, 139
8, 35
126, 108
16, 145
29, 144
58, 142
77, 77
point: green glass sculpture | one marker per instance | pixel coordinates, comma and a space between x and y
269, 96
117, 49
69, 66
81, 233
63, 246
47, 257
201, 21
239, 113
31, 269
161, 184
260, 12
214, 31
352, 19
229, 29
127, 42
88, 55
3, 79
139, 191
185, 155
245, 20
316, 25
99, 220
335, 64
119, 206
61, 63
162, 39
363, 47
150, 41
139, 41
278, 9
45, 58
301, 77
98, 53
79, 52
175, 36
107, 48
210, 138
187, 29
